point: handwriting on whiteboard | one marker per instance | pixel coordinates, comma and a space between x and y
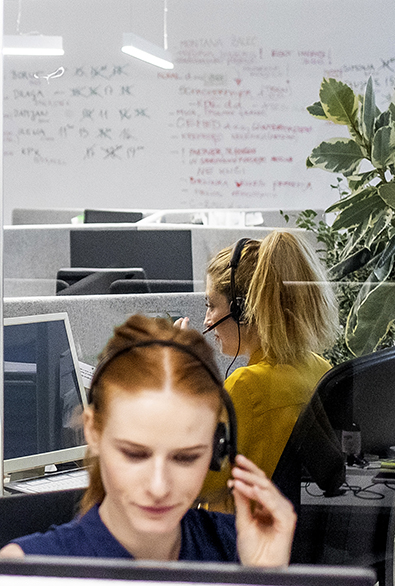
227, 125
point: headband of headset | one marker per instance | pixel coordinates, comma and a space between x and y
225, 438
236, 303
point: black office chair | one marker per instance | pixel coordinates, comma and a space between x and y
360, 391
314, 449
94, 281
28, 513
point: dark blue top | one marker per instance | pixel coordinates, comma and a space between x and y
206, 536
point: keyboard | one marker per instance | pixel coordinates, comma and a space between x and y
58, 481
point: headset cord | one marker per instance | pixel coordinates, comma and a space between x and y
237, 353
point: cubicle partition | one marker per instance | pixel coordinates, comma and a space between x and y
93, 317
34, 254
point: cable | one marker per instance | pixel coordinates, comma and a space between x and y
237, 353
359, 492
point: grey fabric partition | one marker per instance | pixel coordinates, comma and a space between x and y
93, 317
34, 254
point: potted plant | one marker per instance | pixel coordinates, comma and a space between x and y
361, 242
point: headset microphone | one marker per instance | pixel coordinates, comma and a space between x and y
214, 325
237, 304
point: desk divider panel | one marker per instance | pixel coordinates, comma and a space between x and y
93, 317
34, 253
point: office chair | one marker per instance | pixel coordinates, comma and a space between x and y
94, 281
359, 391
314, 448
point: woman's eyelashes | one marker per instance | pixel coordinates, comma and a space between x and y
182, 458
186, 459
136, 456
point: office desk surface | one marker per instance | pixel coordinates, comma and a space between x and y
360, 490
356, 528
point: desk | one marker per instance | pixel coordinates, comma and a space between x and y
370, 495
352, 529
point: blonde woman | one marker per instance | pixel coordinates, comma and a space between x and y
270, 301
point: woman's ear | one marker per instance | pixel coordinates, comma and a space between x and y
92, 435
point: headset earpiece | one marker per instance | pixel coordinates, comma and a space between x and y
237, 304
220, 447
236, 308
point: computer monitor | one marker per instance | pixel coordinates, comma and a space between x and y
44, 394
67, 571
163, 254
111, 216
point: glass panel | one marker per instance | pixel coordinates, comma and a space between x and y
220, 140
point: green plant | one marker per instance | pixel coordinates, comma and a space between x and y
361, 242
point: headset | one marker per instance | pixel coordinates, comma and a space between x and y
237, 304
225, 436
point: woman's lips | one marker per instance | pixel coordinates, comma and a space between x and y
157, 510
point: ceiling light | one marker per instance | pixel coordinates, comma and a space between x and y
32, 45
146, 51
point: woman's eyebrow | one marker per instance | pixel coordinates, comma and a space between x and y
131, 444
192, 448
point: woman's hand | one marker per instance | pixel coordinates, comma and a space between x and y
265, 519
182, 323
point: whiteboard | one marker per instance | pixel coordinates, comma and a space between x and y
227, 127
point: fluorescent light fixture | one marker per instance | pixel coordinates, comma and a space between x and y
146, 51
32, 45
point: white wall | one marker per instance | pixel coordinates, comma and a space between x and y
227, 127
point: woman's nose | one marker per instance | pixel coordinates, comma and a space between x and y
159, 484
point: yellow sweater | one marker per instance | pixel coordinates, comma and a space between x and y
268, 400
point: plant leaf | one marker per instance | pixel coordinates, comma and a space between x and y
357, 181
368, 323
351, 264
384, 119
385, 256
357, 213
381, 221
339, 102
337, 155
357, 234
368, 111
309, 164
387, 194
365, 327
383, 147
351, 200
317, 111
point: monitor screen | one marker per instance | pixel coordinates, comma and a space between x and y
69, 571
163, 254
43, 393
111, 216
